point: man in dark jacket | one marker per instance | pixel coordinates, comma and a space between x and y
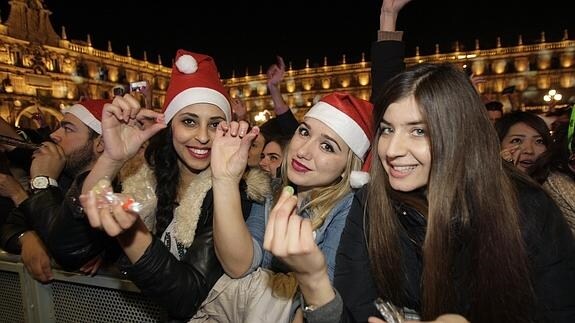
75, 146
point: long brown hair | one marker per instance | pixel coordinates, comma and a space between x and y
474, 259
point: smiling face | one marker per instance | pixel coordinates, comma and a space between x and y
403, 146
530, 142
194, 128
317, 156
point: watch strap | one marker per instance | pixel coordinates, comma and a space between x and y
52, 182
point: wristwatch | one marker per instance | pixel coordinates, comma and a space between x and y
42, 182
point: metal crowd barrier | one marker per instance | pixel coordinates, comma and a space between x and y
71, 297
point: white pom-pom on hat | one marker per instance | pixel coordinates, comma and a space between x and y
195, 79
187, 64
358, 178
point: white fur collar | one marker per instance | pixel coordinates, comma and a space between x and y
142, 186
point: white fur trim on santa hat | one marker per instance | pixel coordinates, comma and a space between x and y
343, 125
198, 95
187, 64
85, 116
358, 178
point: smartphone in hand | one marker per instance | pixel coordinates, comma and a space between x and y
139, 86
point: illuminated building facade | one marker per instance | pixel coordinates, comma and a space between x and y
42, 70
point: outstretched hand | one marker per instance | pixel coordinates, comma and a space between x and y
126, 127
108, 211
276, 72
230, 150
393, 6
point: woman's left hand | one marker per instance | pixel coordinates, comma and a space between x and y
230, 150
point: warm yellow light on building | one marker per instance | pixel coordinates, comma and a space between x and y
290, 85
363, 79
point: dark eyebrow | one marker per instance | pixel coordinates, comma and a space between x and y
64, 123
325, 136
195, 116
412, 123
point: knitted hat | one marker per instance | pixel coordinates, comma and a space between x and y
352, 119
89, 112
195, 79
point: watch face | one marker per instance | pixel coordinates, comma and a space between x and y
40, 182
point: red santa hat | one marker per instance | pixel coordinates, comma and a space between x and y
352, 119
195, 79
89, 112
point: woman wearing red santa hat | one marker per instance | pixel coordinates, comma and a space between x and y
169, 245
322, 163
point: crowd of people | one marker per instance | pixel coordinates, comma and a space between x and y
424, 203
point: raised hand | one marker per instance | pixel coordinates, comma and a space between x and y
239, 109
389, 12
511, 154
290, 238
230, 150
48, 160
126, 127
393, 6
276, 72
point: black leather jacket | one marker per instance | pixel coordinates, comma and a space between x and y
56, 212
181, 286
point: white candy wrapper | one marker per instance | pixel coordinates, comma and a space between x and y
105, 196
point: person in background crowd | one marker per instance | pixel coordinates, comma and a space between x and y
272, 155
527, 144
169, 246
494, 110
72, 151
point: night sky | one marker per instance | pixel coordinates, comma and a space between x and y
250, 33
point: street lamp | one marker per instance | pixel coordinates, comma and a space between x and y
552, 97
262, 116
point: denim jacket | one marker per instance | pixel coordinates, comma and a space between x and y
326, 237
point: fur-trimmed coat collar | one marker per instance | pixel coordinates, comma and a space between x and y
142, 184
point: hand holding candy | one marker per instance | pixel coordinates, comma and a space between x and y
109, 211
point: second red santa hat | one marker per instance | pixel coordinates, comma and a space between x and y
352, 119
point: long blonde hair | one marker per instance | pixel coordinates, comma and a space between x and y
320, 203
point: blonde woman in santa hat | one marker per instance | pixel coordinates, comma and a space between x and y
322, 163
169, 245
